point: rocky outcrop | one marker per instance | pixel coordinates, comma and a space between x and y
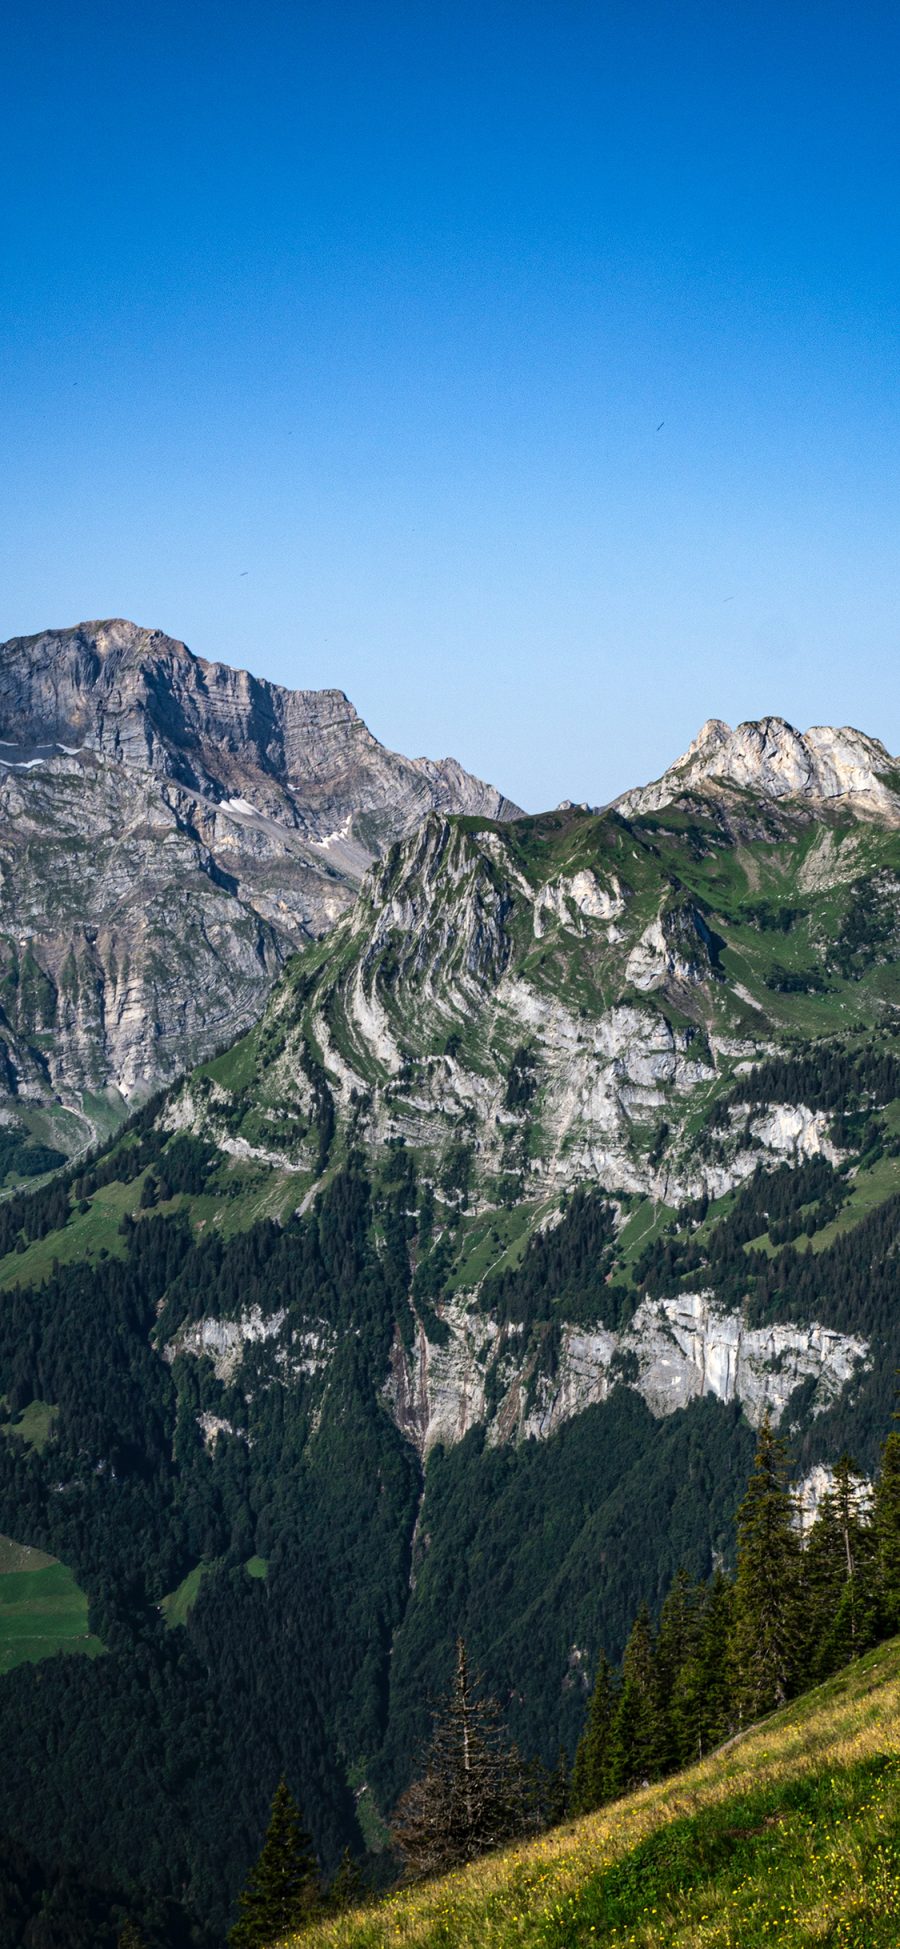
681, 1348
578, 898
170, 831
772, 758
224, 1342
810, 1492
673, 1351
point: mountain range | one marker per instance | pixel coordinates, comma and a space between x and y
447, 1296
170, 831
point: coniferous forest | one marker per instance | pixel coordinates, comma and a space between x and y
305, 1554
306, 1400
721, 1655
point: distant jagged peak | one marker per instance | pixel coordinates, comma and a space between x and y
64, 679
770, 756
143, 700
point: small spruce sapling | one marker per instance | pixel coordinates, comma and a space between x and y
282, 1890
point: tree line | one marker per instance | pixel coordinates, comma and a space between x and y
728, 1651
723, 1654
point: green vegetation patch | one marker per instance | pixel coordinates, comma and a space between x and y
753, 1869
177, 1606
88, 1235
493, 1242
42, 1610
21, 1556
21, 1159
34, 1425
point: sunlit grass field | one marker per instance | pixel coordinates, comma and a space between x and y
789, 1835
42, 1610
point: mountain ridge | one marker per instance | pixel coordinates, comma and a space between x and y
464, 1274
137, 694
170, 831
769, 755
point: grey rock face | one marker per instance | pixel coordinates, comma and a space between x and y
170, 831
771, 757
673, 1351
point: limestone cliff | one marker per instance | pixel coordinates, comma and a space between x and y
170, 831
772, 758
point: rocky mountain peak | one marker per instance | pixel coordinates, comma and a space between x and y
771, 757
144, 700
140, 699
170, 830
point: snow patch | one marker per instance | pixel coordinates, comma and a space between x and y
241, 805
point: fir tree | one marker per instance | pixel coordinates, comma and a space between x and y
766, 1637
556, 1798
839, 1575
636, 1740
591, 1771
130, 1937
473, 1792
715, 1715
677, 1644
282, 1890
346, 1888
887, 1529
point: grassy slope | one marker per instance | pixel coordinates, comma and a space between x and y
42, 1609
177, 1606
789, 1835
89, 1235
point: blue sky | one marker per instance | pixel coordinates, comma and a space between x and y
336, 339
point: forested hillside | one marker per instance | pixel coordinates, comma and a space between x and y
790, 1835
449, 1300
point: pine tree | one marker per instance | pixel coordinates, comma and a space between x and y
590, 1773
766, 1638
887, 1529
473, 1792
346, 1888
282, 1890
839, 1577
636, 1740
677, 1644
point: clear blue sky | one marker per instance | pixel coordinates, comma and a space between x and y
383, 304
